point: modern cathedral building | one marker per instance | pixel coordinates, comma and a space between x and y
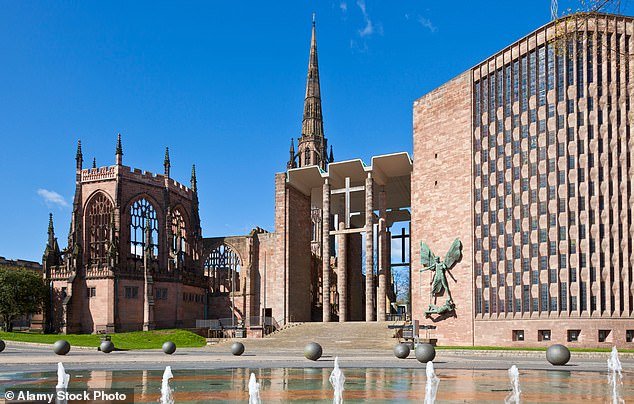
527, 157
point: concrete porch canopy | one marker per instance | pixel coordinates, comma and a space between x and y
390, 172
346, 199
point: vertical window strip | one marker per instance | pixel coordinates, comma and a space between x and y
524, 76
541, 56
478, 114
550, 53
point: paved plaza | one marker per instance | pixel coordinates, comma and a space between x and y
32, 357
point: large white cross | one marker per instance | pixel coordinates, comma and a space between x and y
346, 191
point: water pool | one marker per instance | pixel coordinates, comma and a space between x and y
311, 385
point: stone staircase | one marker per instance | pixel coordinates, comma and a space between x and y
331, 336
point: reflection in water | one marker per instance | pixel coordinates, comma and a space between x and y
99, 380
362, 385
144, 382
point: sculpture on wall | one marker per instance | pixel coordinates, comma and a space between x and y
439, 283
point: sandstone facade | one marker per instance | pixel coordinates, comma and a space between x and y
527, 158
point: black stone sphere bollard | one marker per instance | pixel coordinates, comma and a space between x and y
557, 355
106, 346
2, 345
237, 348
401, 350
169, 347
61, 347
313, 351
425, 353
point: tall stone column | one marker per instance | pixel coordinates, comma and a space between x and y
325, 251
388, 265
342, 275
369, 249
383, 259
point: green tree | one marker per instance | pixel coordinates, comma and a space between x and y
22, 292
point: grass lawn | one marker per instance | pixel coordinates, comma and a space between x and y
126, 340
502, 348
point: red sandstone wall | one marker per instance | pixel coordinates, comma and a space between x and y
165, 310
500, 332
220, 306
268, 274
276, 258
287, 256
190, 311
86, 314
129, 311
441, 201
298, 252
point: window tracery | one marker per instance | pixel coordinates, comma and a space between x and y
142, 211
221, 265
99, 216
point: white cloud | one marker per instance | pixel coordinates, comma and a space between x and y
343, 6
426, 22
369, 28
358, 47
361, 4
52, 198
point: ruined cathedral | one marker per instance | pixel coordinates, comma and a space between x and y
136, 258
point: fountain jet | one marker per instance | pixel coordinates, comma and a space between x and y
431, 387
615, 377
62, 377
254, 390
337, 379
514, 395
166, 390
62, 382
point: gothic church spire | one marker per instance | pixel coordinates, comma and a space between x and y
312, 121
166, 162
119, 151
51, 230
291, 161
193, 181
79, 157
311, 146
51, 253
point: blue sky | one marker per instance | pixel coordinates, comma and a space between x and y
222, 85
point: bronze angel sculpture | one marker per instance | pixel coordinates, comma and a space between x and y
439, 284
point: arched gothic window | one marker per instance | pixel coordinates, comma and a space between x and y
98, 218
141, 212
222, 265
179, 236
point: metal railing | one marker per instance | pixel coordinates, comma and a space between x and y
397, 317
229, 325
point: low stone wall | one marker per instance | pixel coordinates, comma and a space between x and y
528, 354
